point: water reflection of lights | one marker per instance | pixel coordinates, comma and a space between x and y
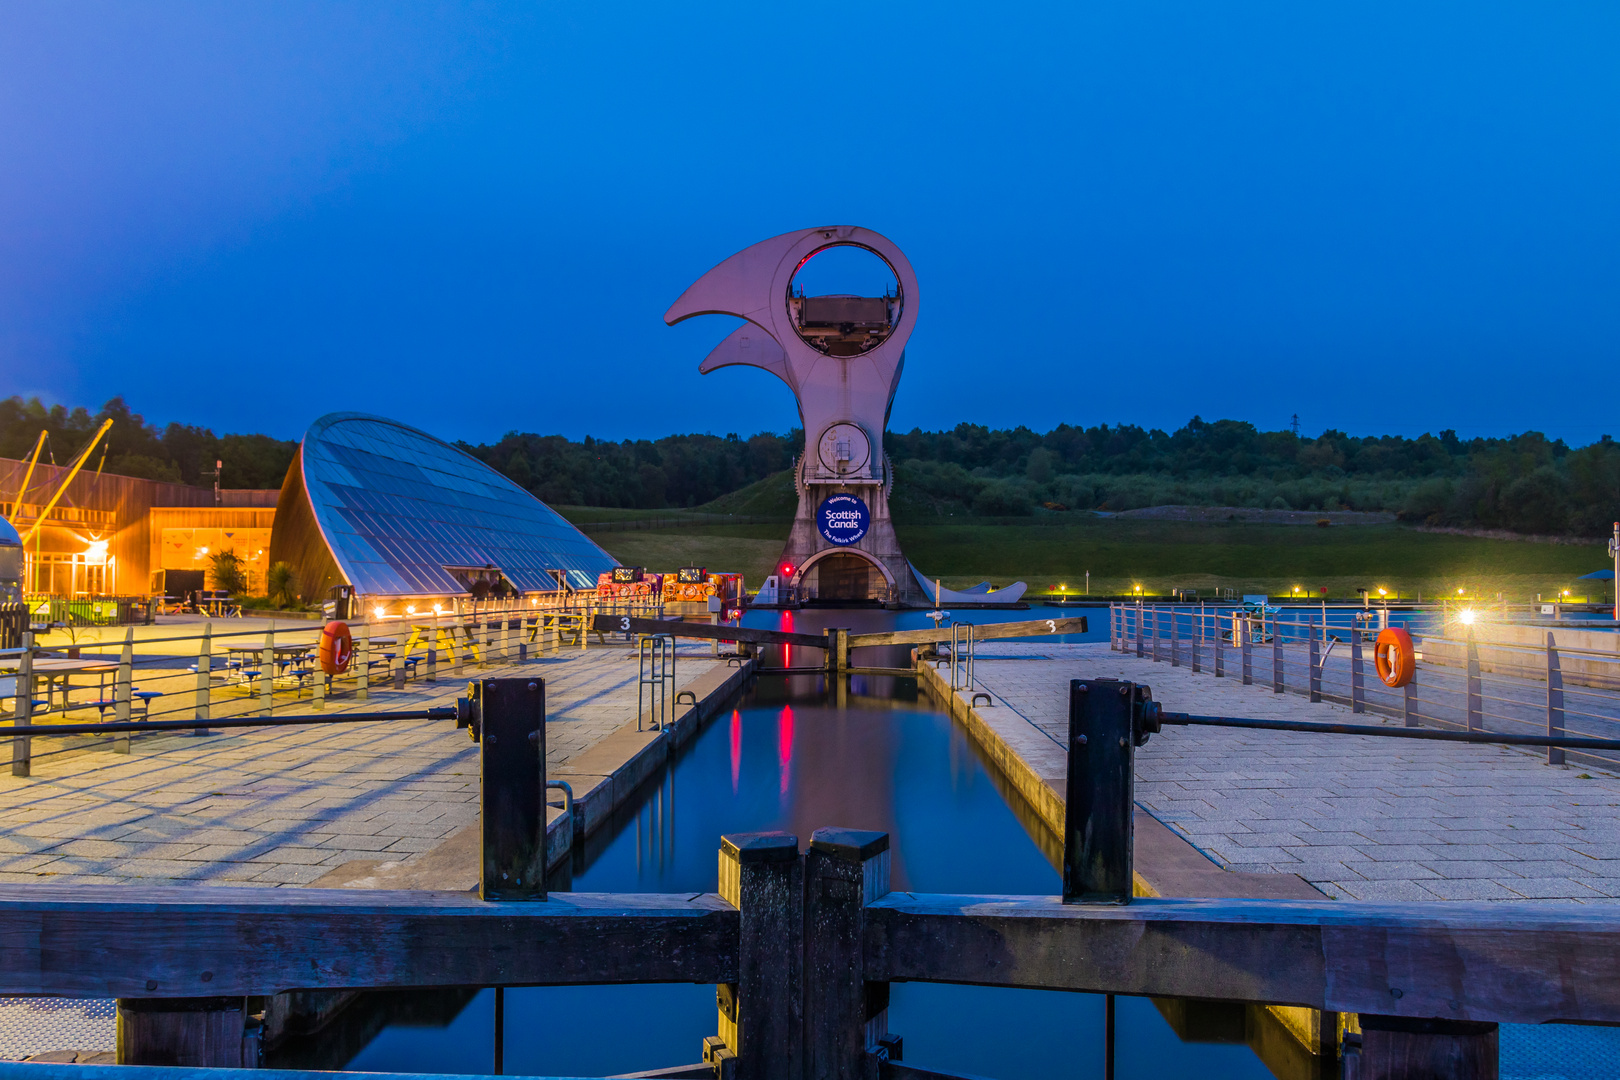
784, 749
736, 748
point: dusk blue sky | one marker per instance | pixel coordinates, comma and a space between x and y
1385, 217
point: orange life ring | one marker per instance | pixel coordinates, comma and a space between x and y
1395, 657
337, 647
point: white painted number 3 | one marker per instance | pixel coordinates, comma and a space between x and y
1052, 626
624, 623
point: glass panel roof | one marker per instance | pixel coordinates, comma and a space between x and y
397, 506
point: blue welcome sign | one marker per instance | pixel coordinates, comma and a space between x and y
843, 519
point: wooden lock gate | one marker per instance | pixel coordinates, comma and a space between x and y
802, 944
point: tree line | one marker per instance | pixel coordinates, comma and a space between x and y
176, 454
1526, 483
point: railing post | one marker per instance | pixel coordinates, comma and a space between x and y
512, 743
1358, 674
22, 746
761, 1016
1175, 649
362, 657
1220, 656
1137, 622
1276, 653
1315, 662
1555, 702
1400, 1047
1409, 713
205, 679
123, 689
1154, 630
1196, 639
267, 673
1247, 648
1098, 818
1115, 635
845, 1016
1476, 719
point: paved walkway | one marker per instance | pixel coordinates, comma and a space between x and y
285, 806
1359, 817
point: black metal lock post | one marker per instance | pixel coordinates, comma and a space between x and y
511, 732
1108, 720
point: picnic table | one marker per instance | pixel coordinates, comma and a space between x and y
57, 671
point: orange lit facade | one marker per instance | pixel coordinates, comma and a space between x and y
112, 535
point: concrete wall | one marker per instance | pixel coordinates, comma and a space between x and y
1586, 657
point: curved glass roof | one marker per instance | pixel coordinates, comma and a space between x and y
397, 507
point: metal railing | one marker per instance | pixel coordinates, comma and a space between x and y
1462, 683
87, 610
961, 655
192, 680
655, 680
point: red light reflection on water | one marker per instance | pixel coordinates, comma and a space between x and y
736, 748
787, 650
784, 748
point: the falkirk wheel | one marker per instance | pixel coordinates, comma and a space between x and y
841, 356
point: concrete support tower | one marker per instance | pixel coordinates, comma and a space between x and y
841, 356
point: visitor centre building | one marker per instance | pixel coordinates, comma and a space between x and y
393, 516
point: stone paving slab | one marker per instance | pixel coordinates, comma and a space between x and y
284, 806
1358, 817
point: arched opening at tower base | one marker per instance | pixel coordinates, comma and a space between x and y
843, 577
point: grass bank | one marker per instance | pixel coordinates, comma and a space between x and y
1275, 559
1157, 555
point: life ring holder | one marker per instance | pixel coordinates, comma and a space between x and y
337, 647
1395, 657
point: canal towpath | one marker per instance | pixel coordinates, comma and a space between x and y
375, 804
1356, 817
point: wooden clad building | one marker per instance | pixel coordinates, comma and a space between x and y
113, 535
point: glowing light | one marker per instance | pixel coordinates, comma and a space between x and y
96, 549
1381, 592
410, 609
1466, 617
1566, 592
787, 569
1459, 592
438, 609
202, 551
379, 611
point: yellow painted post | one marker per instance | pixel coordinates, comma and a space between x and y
123, 689
267, 673
205, 685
